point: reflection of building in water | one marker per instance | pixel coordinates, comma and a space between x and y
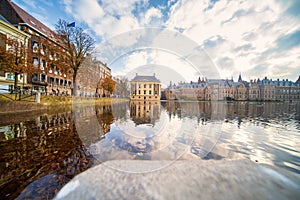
40, 154
218, 111
144, 112
145, 88
105, 117
93, 122
200, 110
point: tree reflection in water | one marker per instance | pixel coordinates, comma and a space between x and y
39, 156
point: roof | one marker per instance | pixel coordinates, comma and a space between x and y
12, 30
31, 21
4, 19
145, 79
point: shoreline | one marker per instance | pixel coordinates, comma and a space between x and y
12, 109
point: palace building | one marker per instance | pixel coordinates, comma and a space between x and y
145, 88
227, 89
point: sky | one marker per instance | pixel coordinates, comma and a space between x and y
180, 40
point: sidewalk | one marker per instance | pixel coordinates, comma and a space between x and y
184, 179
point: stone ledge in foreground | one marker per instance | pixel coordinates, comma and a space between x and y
184, 179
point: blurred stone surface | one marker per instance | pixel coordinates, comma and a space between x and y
184, 179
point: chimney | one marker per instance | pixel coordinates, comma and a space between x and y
136, 74
154, 74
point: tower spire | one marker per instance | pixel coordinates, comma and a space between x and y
240, 78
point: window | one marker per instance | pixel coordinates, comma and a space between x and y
34, 77
145, 85
43, 65
150, 92
35, 62
10, 76
51, 80
32, 22
43, 78
35, 46
144, 91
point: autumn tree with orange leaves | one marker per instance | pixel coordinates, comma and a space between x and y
13, 57
107, 84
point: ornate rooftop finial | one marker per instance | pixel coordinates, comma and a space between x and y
240, 78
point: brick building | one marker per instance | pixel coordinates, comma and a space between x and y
47, 78
7, 30
89, 75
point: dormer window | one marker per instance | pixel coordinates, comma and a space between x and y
32, 22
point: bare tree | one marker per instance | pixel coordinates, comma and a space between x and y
77, 43
122, 87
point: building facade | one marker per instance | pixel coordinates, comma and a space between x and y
91, 73
47, 77
225, 89
7, 30
145, 88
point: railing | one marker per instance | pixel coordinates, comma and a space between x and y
17, 94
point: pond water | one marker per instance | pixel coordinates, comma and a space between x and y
40, 154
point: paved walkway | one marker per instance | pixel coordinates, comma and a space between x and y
184, 179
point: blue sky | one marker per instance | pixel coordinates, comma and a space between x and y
256, 38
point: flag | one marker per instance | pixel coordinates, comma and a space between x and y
71, 24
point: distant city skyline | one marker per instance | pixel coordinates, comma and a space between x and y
254, 38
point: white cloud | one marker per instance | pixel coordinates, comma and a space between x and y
108, 19
263, 23
151, 14
235, 34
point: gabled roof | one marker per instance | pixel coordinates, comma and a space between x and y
145, 79
31, 21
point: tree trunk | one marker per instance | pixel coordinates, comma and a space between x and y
74, 91
16, 81
16, 85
